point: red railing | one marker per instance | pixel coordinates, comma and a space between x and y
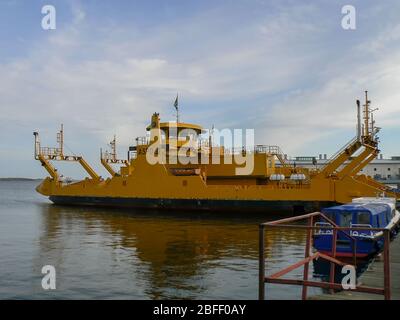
310, 228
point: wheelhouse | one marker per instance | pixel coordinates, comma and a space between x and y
373, 215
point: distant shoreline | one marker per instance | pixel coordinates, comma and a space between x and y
19, 179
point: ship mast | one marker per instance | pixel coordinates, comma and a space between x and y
369, 128
366, 115
113, 145
60, 140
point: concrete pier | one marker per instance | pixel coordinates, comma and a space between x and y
373, 277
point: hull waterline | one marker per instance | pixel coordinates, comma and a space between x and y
192, 204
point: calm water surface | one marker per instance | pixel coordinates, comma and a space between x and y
114, 254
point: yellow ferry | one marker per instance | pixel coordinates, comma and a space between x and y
206, 181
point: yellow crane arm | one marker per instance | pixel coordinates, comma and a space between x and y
364, 163
49, 167
88, 169
354, 163
108, 167
341, 157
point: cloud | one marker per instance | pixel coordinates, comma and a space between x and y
288, 71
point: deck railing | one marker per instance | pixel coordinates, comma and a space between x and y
290, 223
46, 151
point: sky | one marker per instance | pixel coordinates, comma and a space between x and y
286, 69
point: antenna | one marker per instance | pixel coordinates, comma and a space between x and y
60, 140
113, 145
366, 115
374, 130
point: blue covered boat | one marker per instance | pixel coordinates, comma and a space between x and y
365, 213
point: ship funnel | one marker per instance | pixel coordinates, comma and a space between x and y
358, 120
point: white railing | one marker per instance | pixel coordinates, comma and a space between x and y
325, 230
362, 233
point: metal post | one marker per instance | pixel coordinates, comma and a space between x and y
261, 263
37, 144
358, 121
306, 255
366, 115
386, 264
332, 271
354, 252
61, 140
113, 145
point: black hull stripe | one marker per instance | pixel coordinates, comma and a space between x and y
192, 204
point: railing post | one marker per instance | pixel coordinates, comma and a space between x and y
386, 264
354, 251
261, 263
332, 271
306, 255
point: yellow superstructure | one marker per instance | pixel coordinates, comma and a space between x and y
205, 180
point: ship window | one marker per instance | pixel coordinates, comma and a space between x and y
381, 221
363, 218
345, 219
374, 169
388, 169
388, 216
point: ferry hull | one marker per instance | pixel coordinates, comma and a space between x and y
193, 204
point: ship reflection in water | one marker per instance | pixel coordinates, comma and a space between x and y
114, 254
159, 255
